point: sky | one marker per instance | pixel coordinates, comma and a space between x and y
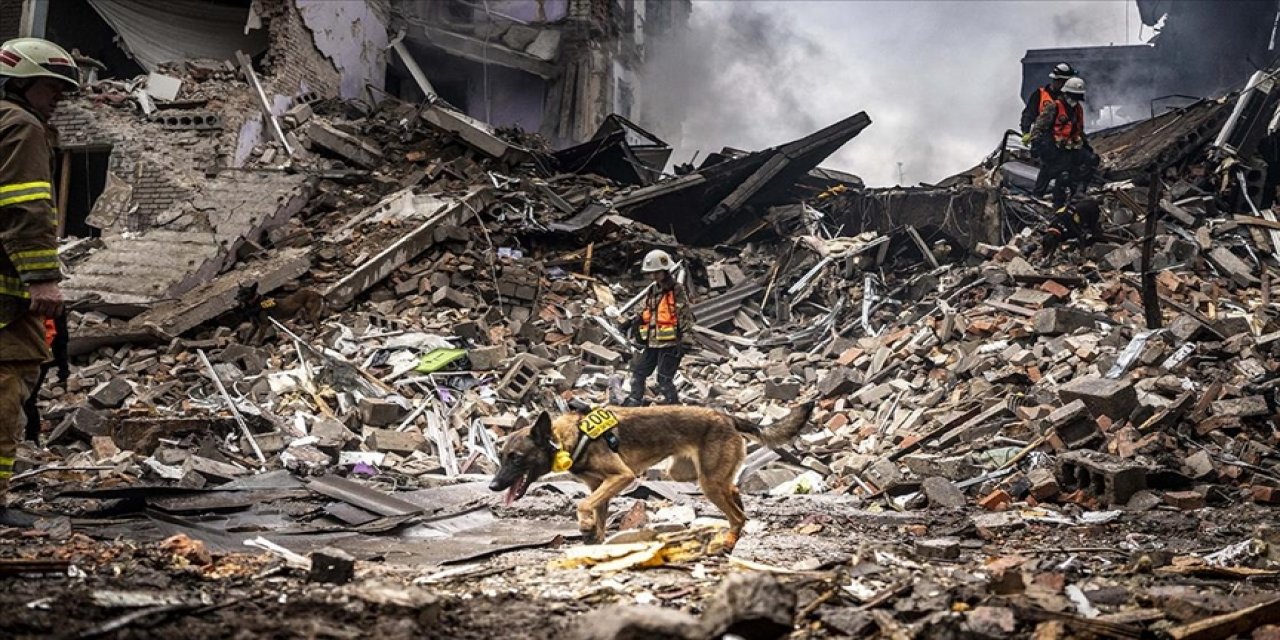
939, 79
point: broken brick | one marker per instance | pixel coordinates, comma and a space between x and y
997, 500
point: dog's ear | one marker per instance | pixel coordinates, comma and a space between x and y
541, 431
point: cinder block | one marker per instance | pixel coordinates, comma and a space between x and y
1113, 480
519, 379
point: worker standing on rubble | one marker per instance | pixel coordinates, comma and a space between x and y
1066, 157
662, 327
35, 74
1043, 97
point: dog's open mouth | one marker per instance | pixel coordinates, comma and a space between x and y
516, 491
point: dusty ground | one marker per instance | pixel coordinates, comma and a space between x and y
836, 556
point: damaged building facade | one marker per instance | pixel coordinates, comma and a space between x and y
162, 167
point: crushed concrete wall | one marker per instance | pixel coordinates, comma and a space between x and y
352, 35
293, 63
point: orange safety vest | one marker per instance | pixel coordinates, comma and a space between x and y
665, 327
1046, 99
50, 331
1068, 126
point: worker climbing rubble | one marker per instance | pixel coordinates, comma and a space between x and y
1043, 97
1066, 158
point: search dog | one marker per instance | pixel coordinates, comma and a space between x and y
710, 440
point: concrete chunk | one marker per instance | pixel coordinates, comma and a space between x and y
394, 441
358, 151
938, 549
753, 606
111, 394
487, 358
1059, 320
380, 413
634, 622
1246, 407
785, 390
1074, 424
838, 382
942, 493
1115, 399
1235, 268
1044, 486
333, 566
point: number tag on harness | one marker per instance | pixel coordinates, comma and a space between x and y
267, 304
597, 423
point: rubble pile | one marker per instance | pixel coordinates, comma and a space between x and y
977, 398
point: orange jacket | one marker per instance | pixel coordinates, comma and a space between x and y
1068, 125
664, 325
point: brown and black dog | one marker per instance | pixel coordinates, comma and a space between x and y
710, 440
303, 302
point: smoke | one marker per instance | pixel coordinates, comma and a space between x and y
734, 78
940, 80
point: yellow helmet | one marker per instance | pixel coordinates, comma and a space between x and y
37, 58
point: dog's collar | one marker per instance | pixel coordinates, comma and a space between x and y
561, 459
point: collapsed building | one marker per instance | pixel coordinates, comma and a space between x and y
1004, 444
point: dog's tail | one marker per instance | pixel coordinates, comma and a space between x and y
780, 432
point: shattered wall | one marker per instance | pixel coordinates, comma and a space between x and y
166, 198
353, 36
293, 62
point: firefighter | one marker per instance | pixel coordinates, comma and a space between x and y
1042, 97
1066, 157
35, 74
662, 328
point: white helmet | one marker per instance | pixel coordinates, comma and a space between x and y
37, 58
657, 260
1074, 86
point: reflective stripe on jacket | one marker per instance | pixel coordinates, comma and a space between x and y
28, 220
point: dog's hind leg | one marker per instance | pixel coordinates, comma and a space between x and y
716, 468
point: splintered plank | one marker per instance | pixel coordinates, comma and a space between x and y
1229, 624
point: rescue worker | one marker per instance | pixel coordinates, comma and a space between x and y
35, 74
1042, 97
55, 335
1066, 157
662, 327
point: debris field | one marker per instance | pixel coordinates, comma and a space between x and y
1005, 444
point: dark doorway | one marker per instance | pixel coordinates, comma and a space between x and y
86, 178
75, 25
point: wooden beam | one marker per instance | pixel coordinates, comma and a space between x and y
64, 192
1230, 624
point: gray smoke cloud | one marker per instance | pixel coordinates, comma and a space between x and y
940, 80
